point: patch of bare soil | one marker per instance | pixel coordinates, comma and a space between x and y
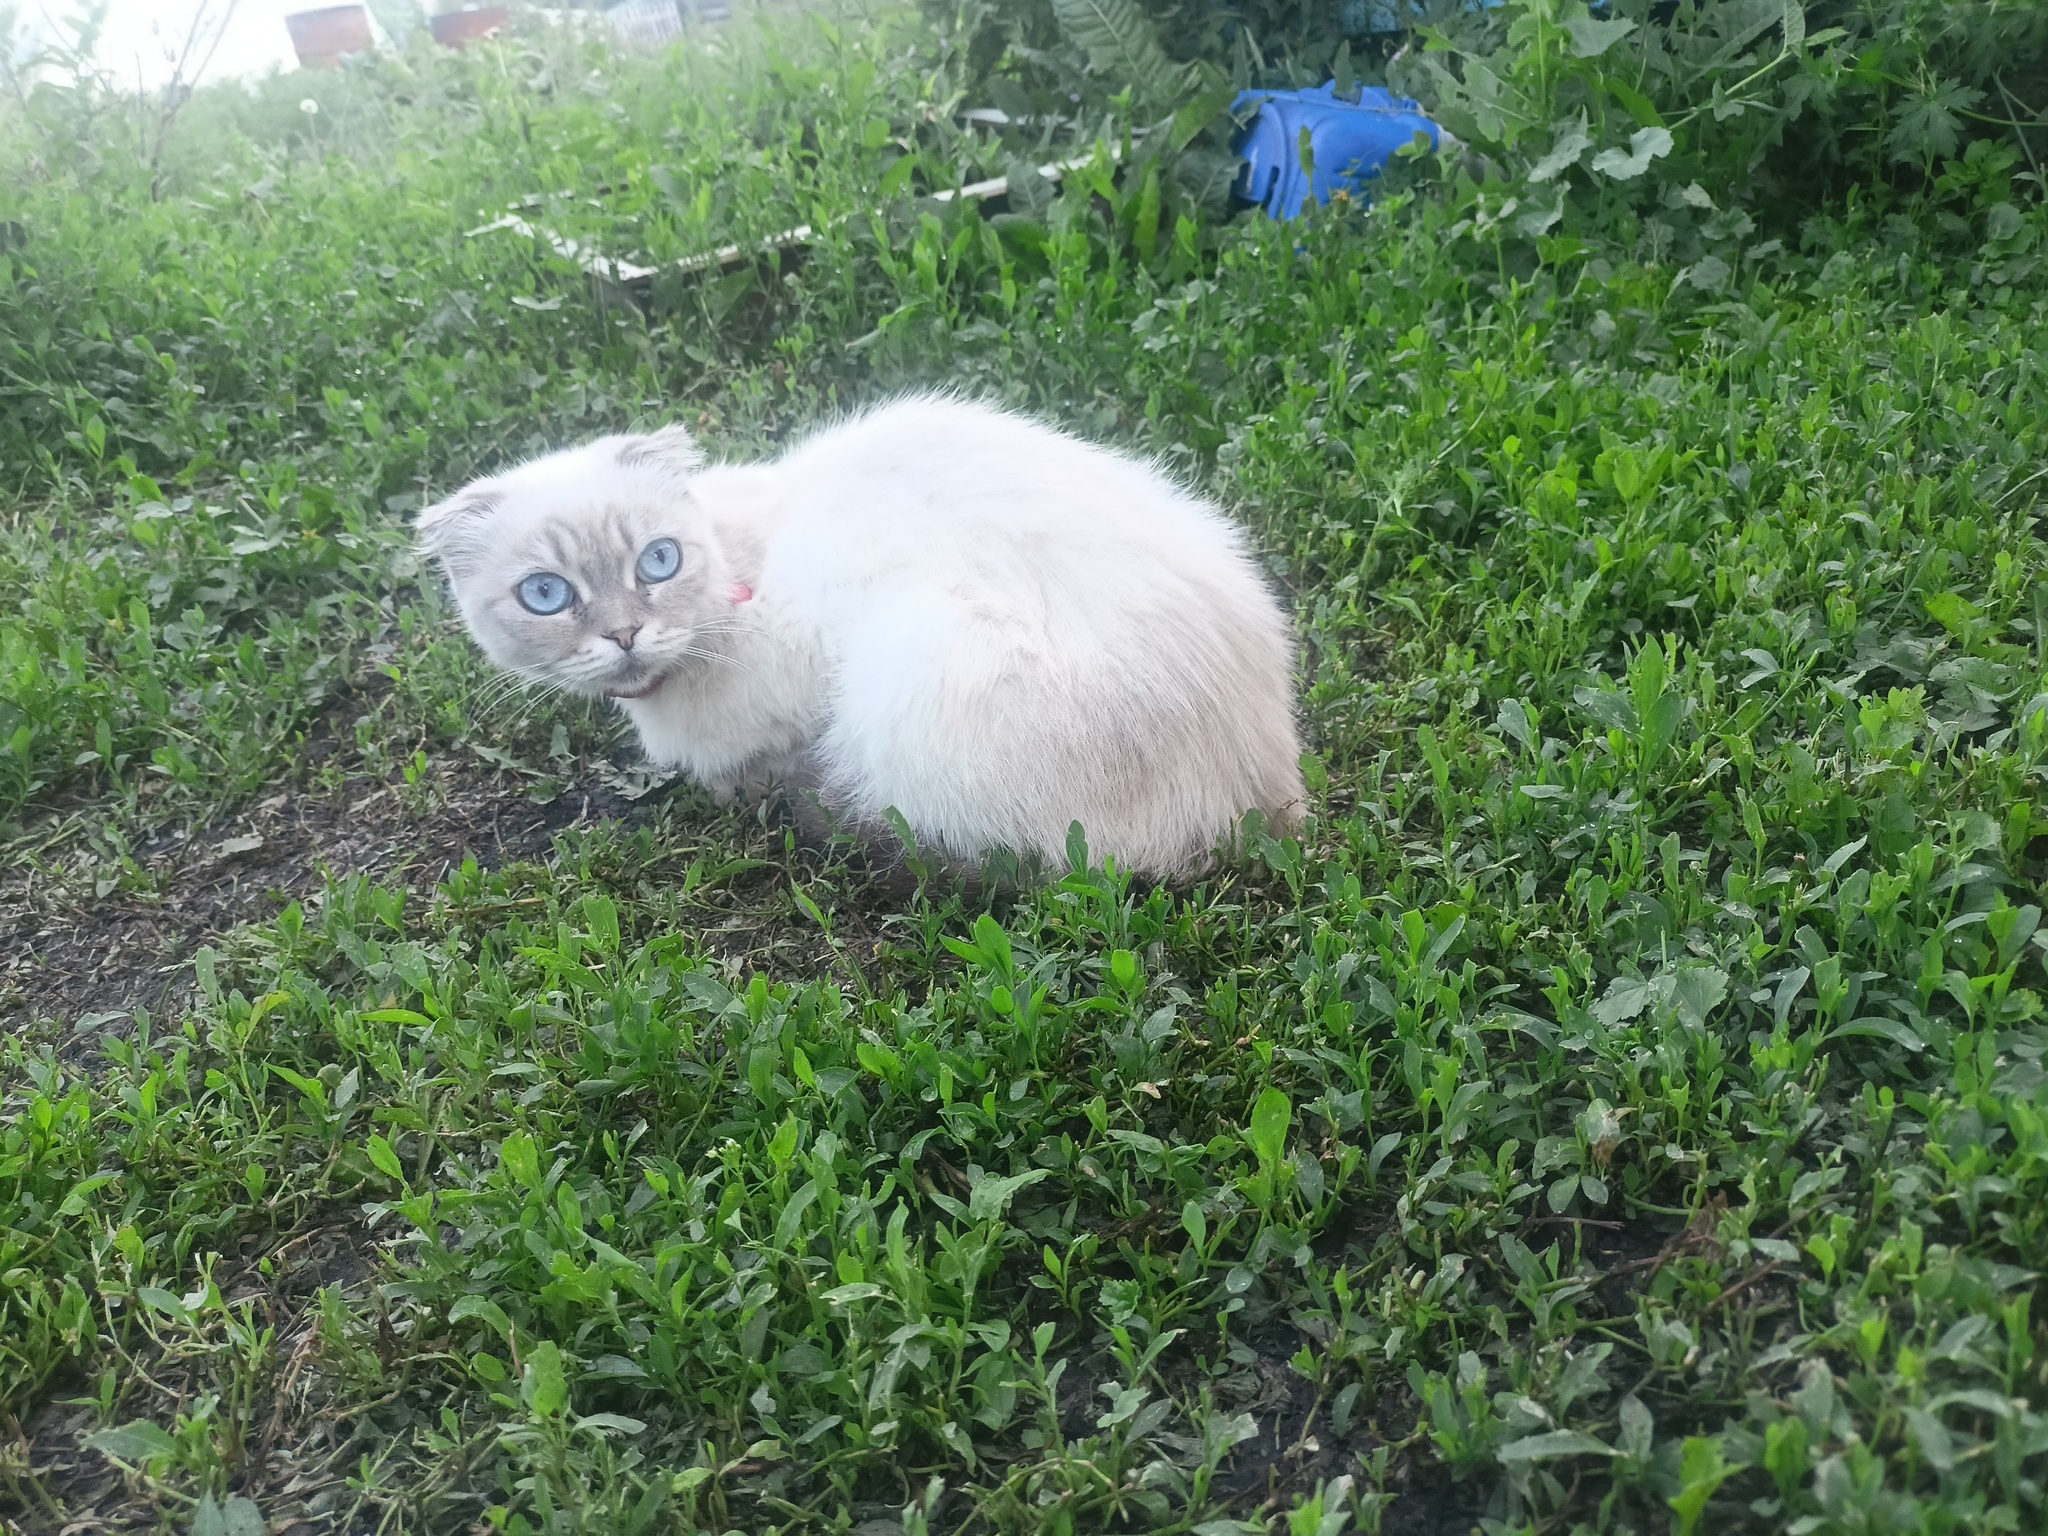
78, 956
1296, 1449
294, 1434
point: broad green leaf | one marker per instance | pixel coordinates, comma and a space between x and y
1644, 145
1267, 1134
484, 1310
858, 1290
990, 1196
1633, 101
134, 1442
1512, 720
232, 1516
157, 1299
1200, 110
1626, 996
1550, 1446
782, 1145
791, 1220
385, 1159
1794, 25
1591, 38
1701, 1471
1876, 1027
545, 1386
1697, 989
610, 1423
80, 1194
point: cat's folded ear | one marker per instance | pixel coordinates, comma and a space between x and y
450, 528
670, 448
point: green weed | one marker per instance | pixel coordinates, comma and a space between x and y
1621, 1110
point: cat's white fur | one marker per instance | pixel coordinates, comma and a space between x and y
990, 626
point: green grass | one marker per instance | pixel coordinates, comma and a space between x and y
1622, 1110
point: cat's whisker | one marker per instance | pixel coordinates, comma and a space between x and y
498, 690
718, 656
485, 700
503, 686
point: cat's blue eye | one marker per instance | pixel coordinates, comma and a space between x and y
659, 561
545, 593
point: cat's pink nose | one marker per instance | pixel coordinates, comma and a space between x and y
624, 637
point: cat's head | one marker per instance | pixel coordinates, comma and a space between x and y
592, 569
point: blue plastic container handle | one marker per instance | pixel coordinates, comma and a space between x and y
1350, 143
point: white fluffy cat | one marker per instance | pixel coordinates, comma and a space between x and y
987, 625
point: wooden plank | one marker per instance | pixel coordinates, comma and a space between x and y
631, 274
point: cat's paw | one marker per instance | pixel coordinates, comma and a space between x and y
749, 787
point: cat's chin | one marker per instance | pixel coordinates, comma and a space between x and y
645, 690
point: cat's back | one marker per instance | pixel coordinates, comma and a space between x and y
931, 465
1025, 630
934, 502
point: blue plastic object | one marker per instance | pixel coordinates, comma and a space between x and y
1350, 142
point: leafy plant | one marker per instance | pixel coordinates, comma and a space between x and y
1619, 1105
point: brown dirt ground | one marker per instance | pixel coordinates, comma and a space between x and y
73, 960
302, 1446
69, 954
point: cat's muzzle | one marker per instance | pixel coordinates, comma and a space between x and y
641, 692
